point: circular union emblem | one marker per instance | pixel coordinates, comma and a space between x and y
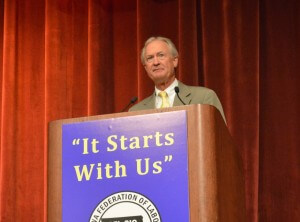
125, 207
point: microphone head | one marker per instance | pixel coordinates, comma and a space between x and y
133, 99
176, 89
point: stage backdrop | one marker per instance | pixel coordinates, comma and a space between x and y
70, 58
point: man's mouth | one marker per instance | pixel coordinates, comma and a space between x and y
157, 69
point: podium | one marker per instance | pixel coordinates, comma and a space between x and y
215, 173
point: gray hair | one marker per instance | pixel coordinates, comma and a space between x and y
170, 44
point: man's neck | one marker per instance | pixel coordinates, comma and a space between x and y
163, 85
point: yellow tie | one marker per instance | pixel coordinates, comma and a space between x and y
165, 100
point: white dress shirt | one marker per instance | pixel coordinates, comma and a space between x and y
171, 94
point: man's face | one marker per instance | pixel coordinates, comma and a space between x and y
159, 62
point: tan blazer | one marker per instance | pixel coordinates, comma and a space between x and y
189, 95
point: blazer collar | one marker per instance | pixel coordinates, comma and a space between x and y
184, 93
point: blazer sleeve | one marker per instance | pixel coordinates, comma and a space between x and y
211, 98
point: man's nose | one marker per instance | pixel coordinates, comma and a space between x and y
156, 60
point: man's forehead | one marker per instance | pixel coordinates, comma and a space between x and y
156, 46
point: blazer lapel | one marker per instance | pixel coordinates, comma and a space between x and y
150, 102
184, 93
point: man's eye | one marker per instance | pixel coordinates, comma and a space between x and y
149, 59
161, 55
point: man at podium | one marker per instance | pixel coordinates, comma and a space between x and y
159, 57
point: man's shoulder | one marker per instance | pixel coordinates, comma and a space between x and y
142, 105
202, 95
197, 91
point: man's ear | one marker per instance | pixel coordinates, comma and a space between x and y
175, 61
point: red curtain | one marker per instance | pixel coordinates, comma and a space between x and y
71, 58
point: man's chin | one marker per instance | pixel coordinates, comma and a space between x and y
160, 80
157, 77
158, 74
163, 81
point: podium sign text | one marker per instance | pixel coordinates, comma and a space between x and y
126, 169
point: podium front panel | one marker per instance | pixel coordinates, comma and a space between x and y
128, 167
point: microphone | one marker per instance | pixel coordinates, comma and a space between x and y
132, 101
177, 91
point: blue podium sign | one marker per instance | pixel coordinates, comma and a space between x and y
127, 169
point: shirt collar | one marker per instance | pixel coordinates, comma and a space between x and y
170, 90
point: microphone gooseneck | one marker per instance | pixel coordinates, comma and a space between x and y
132, 101
177, 93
